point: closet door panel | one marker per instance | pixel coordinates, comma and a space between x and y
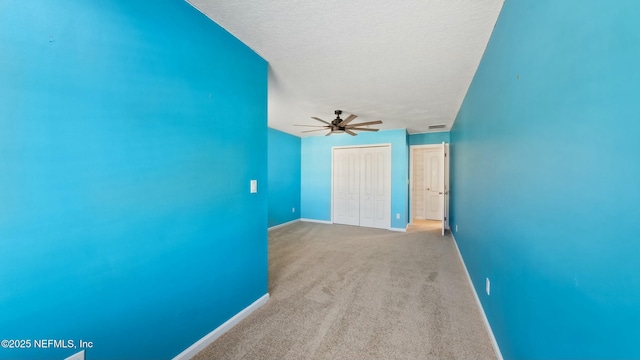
367, 194
346, 186
382, 194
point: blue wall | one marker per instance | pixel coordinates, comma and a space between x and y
284, 177
126, 217
545, 168
429, 138
316, 172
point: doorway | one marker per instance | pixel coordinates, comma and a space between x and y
429, 183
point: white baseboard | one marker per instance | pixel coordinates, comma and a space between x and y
398, 229
205, 341
283, 224
496, 348
316, 221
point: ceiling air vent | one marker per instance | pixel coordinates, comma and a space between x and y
439, 126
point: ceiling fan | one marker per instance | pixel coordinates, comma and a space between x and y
338, 125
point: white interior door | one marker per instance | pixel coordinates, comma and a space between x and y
429, 176
346, 186
426, 182
362, 186
419, 184
375, 189
434, 164
367, 191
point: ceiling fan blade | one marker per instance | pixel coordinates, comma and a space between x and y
329, 133
367, 123
313, 130
315, 118
350, 132
349, 119
311, 125
362, 129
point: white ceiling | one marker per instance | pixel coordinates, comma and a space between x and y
408, 63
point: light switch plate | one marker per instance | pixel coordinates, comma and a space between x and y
254, 186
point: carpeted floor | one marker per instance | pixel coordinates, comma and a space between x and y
342, 292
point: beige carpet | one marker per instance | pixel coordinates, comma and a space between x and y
342, 292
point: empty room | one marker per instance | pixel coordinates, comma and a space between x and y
356, 179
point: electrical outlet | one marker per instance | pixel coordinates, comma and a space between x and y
398, 216
293, 210
488, 287
456, 227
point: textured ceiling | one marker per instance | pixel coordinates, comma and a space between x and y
408, 63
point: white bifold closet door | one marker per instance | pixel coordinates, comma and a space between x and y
362, 186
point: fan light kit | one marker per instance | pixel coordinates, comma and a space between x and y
338, 125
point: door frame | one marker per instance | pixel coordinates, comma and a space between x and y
388, 145
435, 147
